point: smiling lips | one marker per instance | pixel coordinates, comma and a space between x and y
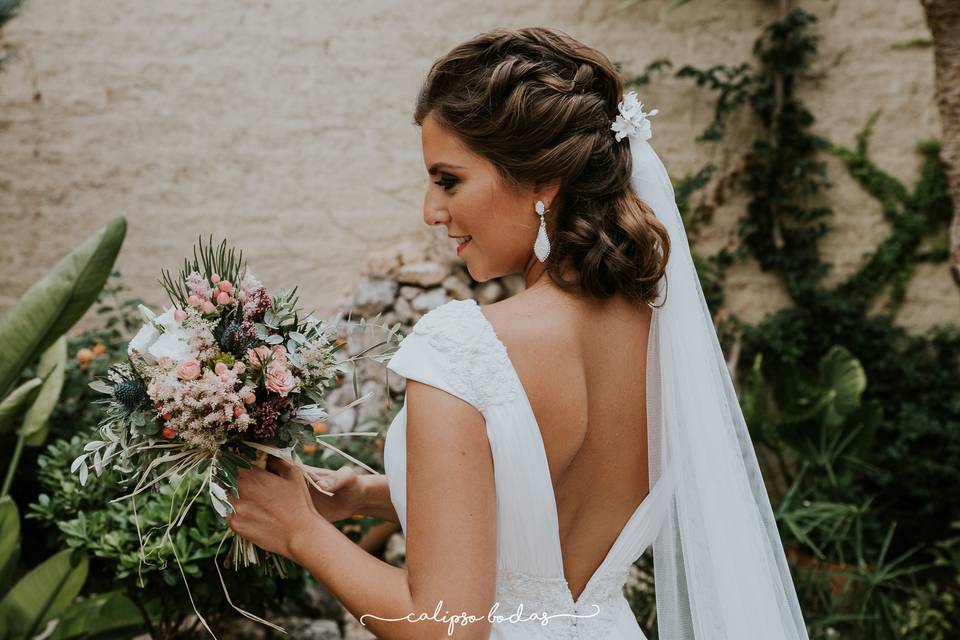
462, 242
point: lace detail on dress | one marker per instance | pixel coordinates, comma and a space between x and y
547, 610
479, 367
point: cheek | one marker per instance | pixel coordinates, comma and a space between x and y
469, 210
486, 214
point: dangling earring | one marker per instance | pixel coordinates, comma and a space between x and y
541, 246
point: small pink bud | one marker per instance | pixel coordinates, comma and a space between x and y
238, 411
214, 278
223, 298
221, 367
226, 286
239, 367
249, 397
179, 315
207, 307
194, 300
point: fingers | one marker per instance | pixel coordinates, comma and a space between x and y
335, 480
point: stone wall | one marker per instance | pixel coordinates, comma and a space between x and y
286, 126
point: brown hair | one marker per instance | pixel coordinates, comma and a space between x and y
538, 104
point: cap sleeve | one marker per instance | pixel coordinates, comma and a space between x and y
453, 347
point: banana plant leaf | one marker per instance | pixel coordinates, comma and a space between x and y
9, 541
44, 593
109, 612
54, 303
17, 403
52, 367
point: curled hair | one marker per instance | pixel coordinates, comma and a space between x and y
538, 104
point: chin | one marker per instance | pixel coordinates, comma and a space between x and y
478, 274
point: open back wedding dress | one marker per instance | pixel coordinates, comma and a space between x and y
454, 348
719, 566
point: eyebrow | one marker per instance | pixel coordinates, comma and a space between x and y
437, 165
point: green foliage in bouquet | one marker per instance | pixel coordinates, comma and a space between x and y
208, 260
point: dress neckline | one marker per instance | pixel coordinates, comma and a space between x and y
636, 515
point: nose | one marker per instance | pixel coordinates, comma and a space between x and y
434, 209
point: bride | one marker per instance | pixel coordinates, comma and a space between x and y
548, 440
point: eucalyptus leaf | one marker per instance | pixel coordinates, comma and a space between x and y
101, 387
77, 462
218, 498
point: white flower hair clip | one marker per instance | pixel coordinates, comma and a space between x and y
632, 121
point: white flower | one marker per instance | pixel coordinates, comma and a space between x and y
171, 340
632, 121
309, 413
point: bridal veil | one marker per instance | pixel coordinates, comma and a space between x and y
719, 565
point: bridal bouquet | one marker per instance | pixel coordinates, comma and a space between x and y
220, 380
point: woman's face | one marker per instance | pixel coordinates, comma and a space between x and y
466, 195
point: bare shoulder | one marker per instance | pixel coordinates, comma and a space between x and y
535, 323
543, 335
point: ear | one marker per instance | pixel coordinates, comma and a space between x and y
546, 191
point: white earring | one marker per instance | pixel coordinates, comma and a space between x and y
541, 246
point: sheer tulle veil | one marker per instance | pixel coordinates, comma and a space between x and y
719, 565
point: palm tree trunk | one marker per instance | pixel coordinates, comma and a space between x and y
943, 18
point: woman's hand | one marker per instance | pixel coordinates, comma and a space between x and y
349, 492
273, 506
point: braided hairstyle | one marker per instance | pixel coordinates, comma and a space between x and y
538, 104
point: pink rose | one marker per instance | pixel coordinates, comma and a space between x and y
188, 369
258, 357
223, 298
279, 355
194, 300
280, 380
238, 411
249, 397
179, 315
208, 308
239, 367
226, 286
214, 278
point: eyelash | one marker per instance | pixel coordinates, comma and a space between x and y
446, 182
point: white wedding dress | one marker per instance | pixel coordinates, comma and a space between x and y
454, 348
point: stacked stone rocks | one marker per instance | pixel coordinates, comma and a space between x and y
401, 283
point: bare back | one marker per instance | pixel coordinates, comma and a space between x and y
583, 366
